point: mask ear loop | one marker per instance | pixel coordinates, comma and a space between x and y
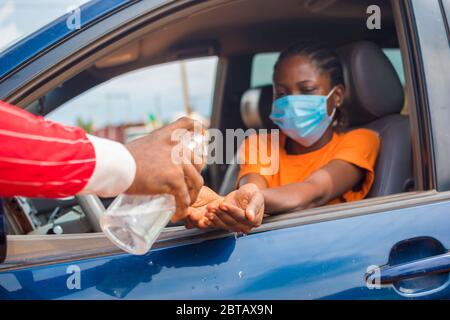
331, 92
328, 96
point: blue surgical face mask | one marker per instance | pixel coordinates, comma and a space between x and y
303, 118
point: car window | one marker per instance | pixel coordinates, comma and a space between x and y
121, 109
262, 69
263, 63
138, 102
395, 56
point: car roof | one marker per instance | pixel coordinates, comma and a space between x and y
54, 32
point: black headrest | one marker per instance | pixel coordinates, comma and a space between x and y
373, 89
256, 105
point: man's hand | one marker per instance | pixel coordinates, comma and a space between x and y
240, 211
157, 173
197, 212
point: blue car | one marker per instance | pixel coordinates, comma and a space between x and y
392, 245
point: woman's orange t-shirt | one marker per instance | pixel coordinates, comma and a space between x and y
358, 147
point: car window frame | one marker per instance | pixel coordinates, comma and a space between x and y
432, 53
17, 259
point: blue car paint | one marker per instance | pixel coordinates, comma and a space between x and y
325, 260
27, 48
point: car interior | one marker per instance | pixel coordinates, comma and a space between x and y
374, 100
236, 32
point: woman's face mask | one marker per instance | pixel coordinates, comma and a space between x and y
303, 118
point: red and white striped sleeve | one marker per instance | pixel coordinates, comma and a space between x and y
40, 158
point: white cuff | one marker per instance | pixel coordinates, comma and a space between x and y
114, 171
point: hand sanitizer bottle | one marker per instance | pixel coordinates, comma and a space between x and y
134, 222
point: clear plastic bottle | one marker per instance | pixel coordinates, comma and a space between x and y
134, 222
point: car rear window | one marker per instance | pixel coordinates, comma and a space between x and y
263, 63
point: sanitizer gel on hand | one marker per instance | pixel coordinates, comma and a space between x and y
134, 222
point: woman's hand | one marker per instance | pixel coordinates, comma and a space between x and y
196, 217
240, 211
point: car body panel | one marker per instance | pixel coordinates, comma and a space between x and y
325, 260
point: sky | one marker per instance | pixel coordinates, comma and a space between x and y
128, 98
21, 17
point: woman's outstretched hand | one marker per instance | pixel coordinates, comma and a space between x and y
240, 211
196, 217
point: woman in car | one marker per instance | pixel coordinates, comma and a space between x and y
319, 163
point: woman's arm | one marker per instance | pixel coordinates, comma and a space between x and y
254, 178
327, 183
244, 208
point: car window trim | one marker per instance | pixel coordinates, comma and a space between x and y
430, 38
419, 126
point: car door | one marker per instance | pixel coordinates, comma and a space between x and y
316, 256
393, 247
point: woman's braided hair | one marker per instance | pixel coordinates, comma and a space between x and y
326, 60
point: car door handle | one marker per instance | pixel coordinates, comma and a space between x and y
418, 268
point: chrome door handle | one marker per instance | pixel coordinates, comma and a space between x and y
418, 268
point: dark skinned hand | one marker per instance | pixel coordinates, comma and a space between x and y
240, 211
196, 217
157, 173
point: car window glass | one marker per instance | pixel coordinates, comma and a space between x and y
262, 69
263, 63
395, 57
140, 101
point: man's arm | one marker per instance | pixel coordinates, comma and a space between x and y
40, 158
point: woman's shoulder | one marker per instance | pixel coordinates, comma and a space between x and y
360, 135
364, 140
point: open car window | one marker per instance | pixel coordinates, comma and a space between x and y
122, 109
140, 101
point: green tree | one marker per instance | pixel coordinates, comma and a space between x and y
86, 125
